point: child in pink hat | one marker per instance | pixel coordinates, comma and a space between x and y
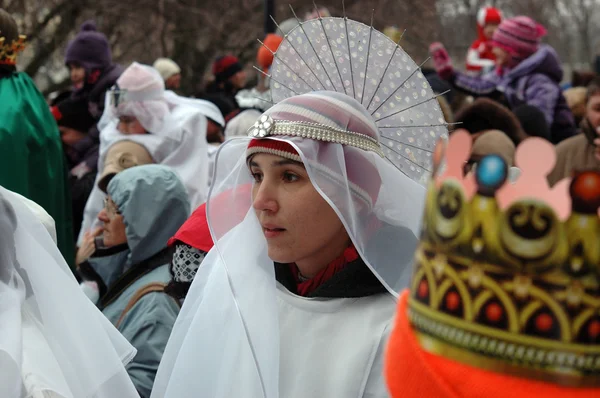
527, 72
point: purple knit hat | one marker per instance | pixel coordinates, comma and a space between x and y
89, 49
519, 36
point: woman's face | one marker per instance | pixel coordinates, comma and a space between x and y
129, 125
114, 228
299, 225
502, 56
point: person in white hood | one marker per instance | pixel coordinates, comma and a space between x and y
172, 129
54, 343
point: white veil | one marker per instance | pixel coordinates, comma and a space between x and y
78, 352
226, 339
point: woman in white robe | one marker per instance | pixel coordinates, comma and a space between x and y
54, 343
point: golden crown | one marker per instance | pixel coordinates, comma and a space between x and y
507, 276
10, 51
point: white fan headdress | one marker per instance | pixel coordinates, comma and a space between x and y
346, 56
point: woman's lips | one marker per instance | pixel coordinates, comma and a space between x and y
272, 231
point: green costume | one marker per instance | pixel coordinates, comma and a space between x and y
31, 160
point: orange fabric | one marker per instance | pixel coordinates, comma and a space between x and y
264, 56
412, 372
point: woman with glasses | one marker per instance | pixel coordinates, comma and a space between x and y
145, 206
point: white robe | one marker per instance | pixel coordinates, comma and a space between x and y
41, 373
333, 348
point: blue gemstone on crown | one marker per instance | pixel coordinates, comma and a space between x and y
491, 173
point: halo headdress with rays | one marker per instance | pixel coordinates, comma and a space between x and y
349, 57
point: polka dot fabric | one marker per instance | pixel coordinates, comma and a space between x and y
349, 57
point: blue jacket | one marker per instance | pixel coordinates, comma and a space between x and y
154, 204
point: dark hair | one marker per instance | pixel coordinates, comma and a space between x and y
178, 290
593, 89
582, 78
8, 27
486, 114
533, 121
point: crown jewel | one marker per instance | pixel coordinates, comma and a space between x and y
10, 51
507, 276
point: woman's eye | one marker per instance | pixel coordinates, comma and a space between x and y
257, 177
289, 177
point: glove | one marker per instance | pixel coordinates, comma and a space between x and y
441, 61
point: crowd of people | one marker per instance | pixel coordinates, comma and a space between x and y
265, 241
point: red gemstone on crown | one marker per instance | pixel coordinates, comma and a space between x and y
594, 329
493, 312
544, 322
452, 301
585, 191
423, 290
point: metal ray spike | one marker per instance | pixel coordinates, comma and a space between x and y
408, 145
400, 86
412, 106
419, 126
349, 52
264, 100
383, 76
332, 55
286, 65
297, 52
312, 47
294, 14
317, 10
404, 157
277, 81
362, 96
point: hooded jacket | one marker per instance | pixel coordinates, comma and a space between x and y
535, 81
154, 204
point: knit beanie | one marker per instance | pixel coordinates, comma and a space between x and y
226, 66
166, 67
264, 58
89, 49
519, 36
487, 16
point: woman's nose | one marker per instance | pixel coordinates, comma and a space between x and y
265, 197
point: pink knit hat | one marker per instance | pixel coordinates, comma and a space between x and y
519, 36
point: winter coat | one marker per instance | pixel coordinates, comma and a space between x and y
575, 154
154, 205
86, 150
535, 81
